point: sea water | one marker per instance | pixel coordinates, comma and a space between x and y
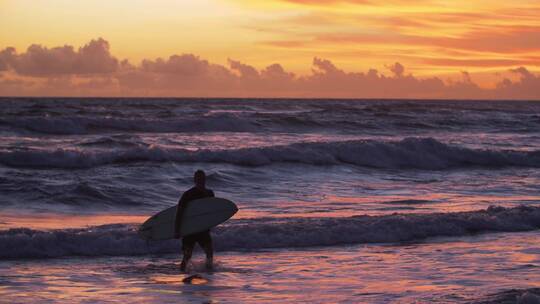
340, 200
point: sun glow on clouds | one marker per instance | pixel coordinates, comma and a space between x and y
428, 36
431, 38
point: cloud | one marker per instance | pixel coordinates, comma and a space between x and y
479, 62
330, 81
526, 87
187, 65
397, 69
39, 61
420, 34
6, 57
93, 71
275, 73
504, 40
184, 74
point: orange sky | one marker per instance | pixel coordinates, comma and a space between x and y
429, 38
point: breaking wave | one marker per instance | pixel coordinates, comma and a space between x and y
254, 234
415, 153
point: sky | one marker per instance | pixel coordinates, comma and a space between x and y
271, 48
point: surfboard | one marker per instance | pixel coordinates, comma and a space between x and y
199, 215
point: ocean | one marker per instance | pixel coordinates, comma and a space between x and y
352, 201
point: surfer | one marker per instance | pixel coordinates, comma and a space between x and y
202, 238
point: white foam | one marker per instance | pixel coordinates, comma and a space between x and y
119, 239
416, 153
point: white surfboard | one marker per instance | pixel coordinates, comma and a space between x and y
199, 215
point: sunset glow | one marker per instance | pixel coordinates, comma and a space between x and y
457, 42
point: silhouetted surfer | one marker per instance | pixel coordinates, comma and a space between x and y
203, 238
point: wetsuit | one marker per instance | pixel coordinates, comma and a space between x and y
203, 238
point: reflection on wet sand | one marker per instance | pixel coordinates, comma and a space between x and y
460, 269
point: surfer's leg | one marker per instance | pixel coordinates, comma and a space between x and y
186, 258
187, 249
205, 241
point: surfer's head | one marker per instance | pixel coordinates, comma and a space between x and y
200, 179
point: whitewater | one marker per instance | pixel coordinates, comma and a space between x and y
441, 198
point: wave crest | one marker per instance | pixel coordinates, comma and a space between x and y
253, 234
415, 153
